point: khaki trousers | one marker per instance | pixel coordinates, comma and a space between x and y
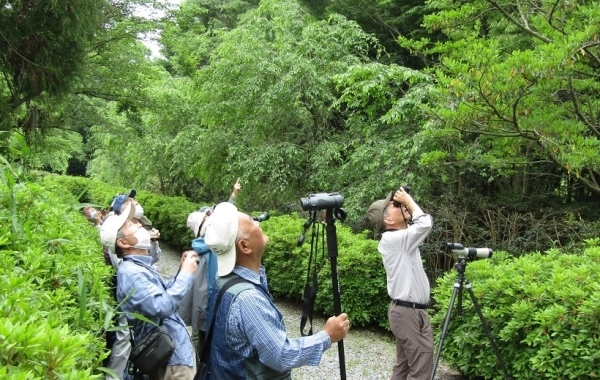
176, 372
414, 343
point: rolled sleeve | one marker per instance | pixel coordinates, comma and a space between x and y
255, 325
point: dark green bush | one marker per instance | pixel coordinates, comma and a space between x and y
361, 275
54, 299
543, 309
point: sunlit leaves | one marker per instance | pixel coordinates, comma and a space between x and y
522, 78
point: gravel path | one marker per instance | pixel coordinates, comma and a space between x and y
369, 355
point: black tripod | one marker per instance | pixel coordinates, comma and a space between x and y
461, 265
310, 291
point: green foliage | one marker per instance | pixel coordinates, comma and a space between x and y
361, 275
516, 93
55, 295
264, 102
543, 310
36, 60
168, 214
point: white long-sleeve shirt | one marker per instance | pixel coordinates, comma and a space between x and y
406, 278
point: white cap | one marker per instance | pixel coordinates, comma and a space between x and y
221, 233
194, 221
111, 226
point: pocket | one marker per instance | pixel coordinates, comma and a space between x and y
395, 311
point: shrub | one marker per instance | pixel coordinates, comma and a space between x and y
55, 297
543, 311
168, 214
360, 270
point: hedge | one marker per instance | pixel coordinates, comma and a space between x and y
544, 312
55, 305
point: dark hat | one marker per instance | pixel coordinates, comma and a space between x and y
375, 213
120, 199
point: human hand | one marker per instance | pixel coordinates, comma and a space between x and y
236, 187
337, 327
189, 261
403, 197
154, 234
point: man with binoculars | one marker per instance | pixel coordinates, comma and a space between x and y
405, 226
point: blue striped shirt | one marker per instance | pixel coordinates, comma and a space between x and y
148, 297
255, 325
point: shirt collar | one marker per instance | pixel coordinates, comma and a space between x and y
247, 274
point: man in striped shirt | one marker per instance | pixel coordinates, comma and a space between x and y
249, 338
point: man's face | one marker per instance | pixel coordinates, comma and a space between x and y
396, 216
92, 214
128, 230
257, 240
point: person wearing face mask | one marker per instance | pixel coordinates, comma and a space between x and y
118, 342
141, 290
94, 216
118, 204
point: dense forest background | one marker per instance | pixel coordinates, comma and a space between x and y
489, 109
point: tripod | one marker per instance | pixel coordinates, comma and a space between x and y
461, 265
332, 250
310, 292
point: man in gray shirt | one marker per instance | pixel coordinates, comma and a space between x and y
405, 226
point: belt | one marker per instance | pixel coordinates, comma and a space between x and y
412, 305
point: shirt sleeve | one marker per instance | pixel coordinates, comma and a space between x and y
151, 299
410, 239
255, 322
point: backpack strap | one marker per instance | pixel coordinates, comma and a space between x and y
204, 356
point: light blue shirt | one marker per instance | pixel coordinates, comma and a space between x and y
141, 290
256, 326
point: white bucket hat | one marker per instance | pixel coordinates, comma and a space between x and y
221, 233
111, 226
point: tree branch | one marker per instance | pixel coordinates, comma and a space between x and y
517, 23
577, 110
591, 185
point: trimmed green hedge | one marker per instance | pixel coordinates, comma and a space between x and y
544, 312
55, 304
168, 214
363, 290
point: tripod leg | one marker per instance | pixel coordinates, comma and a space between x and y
455, 291
487, 330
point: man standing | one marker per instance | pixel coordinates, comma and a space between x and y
249, 339
193, 307
405, 226
141, 290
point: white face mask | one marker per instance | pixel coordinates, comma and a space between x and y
139, 211
143, 238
